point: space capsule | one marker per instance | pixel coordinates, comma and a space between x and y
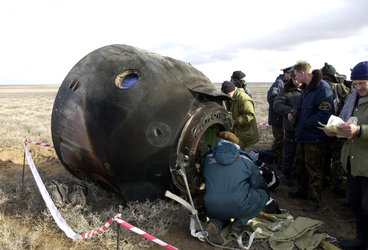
129, 119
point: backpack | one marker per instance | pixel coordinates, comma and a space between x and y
266, 156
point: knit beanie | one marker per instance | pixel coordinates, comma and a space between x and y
328, 69
228, 136
227, 87
360, 71
238, 75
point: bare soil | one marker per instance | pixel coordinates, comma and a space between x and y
333, 212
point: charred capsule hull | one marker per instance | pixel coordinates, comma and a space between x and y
129, 118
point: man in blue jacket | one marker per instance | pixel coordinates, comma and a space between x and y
316, 105
274, 119
234, 187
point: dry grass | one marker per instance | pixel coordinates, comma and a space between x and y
25, 112
25, 222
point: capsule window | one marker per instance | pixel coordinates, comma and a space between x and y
127, 79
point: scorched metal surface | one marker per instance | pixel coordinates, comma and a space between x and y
129, 118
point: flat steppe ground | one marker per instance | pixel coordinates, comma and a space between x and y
25, 222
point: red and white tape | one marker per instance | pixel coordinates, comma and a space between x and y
60, 220
263, 124
101, 229
125, 224
39, 144
118, 219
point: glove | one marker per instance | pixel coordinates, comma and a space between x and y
271, 179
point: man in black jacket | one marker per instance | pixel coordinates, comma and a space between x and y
274, 119
286, 102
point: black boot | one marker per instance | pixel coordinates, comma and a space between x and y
361, 228
297, 195
214, 233
354, 244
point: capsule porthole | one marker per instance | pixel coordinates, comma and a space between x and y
127, 79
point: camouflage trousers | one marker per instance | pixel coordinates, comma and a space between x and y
278, 142
335, 174
310, 168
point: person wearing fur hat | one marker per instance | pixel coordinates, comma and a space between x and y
354, 154
235, 187
336, 172
238, 79
316, 105
243, 113
339, 90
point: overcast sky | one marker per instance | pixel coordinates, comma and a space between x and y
42, 40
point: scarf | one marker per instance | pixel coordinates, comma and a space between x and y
348, 108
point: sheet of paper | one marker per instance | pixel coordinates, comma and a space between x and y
333, 124
334, 129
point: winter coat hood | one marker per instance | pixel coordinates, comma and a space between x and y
226, 152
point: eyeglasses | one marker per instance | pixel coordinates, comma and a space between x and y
360, 83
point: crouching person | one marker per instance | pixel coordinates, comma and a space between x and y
234, 187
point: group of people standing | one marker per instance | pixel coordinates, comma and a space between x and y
301, 99
307, 100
